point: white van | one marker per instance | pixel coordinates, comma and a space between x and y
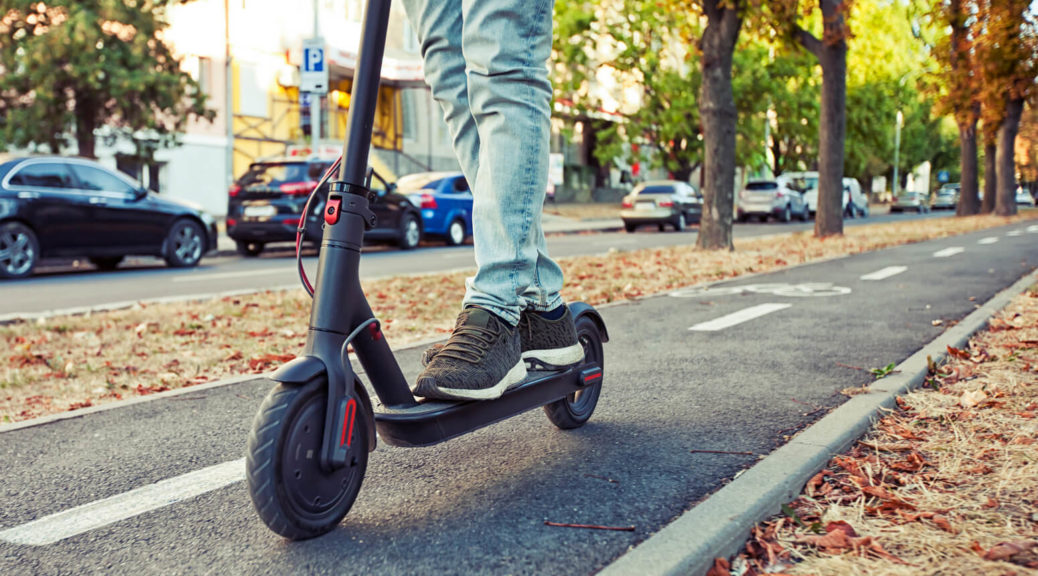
852, 194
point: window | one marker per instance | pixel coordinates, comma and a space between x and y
43, 176
91, 178
410, 117
252, 92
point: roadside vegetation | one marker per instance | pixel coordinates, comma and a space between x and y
68, 362
945, 484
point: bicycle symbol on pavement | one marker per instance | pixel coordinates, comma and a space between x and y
803, 290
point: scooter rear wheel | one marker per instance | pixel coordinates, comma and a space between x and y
292, 493
574, 410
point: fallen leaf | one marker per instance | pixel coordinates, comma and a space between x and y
721, 567
971, 398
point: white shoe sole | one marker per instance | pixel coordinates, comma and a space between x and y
514, 376
557, 356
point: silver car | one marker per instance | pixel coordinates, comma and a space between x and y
947, 197
660, 203
763, 198
910, 200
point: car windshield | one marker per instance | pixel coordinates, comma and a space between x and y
762, 186
656, 189
279, 173
416, 182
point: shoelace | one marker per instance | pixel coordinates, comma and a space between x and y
468, 343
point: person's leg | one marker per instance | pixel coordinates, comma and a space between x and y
506, 45
437, 24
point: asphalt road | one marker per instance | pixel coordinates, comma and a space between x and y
67, 286
682, 374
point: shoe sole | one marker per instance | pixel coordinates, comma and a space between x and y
514, 376
556, 357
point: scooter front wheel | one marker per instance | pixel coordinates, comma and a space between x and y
574, 410
294, 495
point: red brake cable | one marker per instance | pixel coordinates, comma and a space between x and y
302, 225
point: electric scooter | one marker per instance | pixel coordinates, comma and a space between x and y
309, 444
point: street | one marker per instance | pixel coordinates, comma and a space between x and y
62, 287
736, 369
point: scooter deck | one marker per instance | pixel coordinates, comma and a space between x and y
433, 421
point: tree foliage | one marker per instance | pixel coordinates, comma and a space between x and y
72, 66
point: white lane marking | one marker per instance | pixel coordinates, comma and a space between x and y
738, 317
949, 252
74, 521
988, 240
225, 275
468, 255
885, 273
1014, 232
1033, 228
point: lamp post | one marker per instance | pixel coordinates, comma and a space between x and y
897, 149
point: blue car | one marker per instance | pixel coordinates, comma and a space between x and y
445, 202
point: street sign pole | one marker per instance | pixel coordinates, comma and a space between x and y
315, 99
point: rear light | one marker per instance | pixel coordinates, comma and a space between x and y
231, 222
428, 202
665, 203
233, 190
779, 194
298, 188
627, 204
292, 221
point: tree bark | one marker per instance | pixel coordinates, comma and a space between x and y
1005, 198
718, 115
86, 121
987, 204
832, 56
969, 199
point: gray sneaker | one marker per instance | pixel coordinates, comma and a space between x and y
480, 361
549, 344
545, 344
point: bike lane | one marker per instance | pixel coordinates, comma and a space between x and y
478, 504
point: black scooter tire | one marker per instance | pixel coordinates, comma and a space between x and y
574, 410
293, 495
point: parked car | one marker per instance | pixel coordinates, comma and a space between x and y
266, 204
445, 202
1023, 197
54, 207
947, 197
807, 184
855, 203
763, 198
910, 200
661, 202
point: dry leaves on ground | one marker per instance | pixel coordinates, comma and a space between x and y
945, 484
64, 363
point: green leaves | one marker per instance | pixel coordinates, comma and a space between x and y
69, 67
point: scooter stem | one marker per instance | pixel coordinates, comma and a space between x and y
339, 304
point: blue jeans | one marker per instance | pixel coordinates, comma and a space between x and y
486, 62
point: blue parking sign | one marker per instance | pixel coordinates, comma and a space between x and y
313, 73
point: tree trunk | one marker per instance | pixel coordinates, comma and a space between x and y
969, 200
987, 205
86, 121
1005, 198
831, 52
718, 116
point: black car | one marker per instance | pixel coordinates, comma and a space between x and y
266, 204
54, 207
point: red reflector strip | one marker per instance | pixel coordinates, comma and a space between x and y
347, 423
589, 378
376, 334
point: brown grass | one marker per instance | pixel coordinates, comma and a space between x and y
69, 362
946, 484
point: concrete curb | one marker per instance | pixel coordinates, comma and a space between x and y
719, 525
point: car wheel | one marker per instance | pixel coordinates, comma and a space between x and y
456, 233
805, 214
787, 214
410, 232
107, 262
629, 227
680, 223
184, 244
19, 250
919, 210
249, 248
